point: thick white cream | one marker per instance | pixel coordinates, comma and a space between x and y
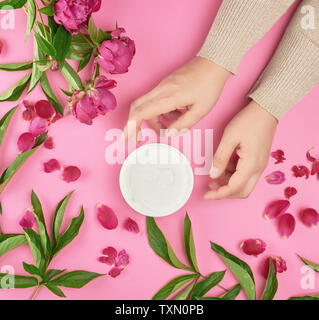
156, 180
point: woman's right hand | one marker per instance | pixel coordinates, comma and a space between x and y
183, 98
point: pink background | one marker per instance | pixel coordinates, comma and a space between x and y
167, 34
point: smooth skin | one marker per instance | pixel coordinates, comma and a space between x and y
184, 98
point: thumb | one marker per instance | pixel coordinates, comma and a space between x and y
222, 156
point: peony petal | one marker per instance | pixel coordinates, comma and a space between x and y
315, 168
290, 192
253, 247
123, 259
107, 217
276, 208
29, 113
309, 217
279, 265
38, 126
1, 46
27, 220
51, 166
131, 226
279, 156
310, 157
300, 171
286, 225
107, 260
44, 109
71, 174
48, 143
26, 142
276, 177
114, 272
110, 252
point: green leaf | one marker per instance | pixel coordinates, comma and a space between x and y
32, 12
75, 279
309, 297
58, 217
208, 283
208, 298
71, 77
38, 214
103, 35
45, 46
62, 42
14, 4
46, 88
240, 269
35, 245
84, 62
173, 286
21, 282
51, 274
310, 264
5, 121
54, 289
32, 269
48, 10
186, 292
271, 284
9, 242
80, 44
189, 244
19, 66
161, 246
71, 232
38, 55
15, 91
18, 162
232, 293
92, 30
53, 26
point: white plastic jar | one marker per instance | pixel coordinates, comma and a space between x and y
156, 180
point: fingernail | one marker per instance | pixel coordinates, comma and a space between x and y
213, 172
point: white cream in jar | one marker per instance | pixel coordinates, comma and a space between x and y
156, 180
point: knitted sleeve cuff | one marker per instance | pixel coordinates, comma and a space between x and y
291, 74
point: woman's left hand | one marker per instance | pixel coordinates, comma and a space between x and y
250, 134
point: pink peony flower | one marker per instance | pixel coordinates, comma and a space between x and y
115, 56
87, 105
27, 220
74, 14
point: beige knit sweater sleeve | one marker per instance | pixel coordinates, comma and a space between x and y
294, 68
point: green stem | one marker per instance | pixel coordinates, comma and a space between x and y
35, 291
42, 21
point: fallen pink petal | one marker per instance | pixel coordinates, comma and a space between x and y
44, 109
29, 113
277, 177
253, 247
38, 126
51, 165
276, 208
290, 192
315, 168
107, 217
71, 174
48, 143
279, 263
279, 156
309, 156
301, 171
1, 46
131, 226
309, 217
115, 272
123, 259
286, 225
110, 252
26, 142
27, 220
